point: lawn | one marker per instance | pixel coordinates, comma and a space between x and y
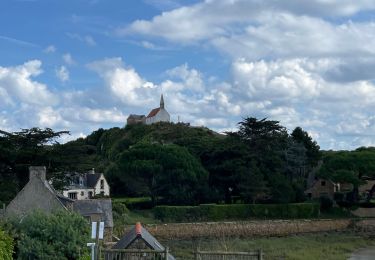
327, 246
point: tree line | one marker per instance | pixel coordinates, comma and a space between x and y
173, 164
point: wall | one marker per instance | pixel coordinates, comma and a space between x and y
106, 187
78, 191
244, 229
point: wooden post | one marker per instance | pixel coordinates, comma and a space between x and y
260, 254
166, 253
97, 256
196, 252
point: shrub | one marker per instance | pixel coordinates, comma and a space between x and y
213, 212
325, 203
6, 246
62, 235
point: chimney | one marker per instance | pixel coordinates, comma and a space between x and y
37, 172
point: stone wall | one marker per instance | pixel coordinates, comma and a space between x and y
244, 229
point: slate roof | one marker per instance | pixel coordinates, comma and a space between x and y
92, 179
133, 116
89, 180
153, 112
139, 232
95, 206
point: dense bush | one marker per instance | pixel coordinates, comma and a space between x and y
62, 235
6, 246
325, 203
212, 212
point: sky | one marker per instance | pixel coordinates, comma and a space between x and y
79, 65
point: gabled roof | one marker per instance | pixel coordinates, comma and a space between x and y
139, 232
153, 112
95, 206
92, 179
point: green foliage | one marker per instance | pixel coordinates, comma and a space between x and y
325, 203
167, 171
6, 246
62, 235
212, 212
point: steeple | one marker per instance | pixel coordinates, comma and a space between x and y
161, 102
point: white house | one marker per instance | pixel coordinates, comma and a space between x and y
158, 114
87, 186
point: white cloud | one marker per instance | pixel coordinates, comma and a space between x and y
87, 39
62, 73
68, 59
16, 84
50, 49
209, 19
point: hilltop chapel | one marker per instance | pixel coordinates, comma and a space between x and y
159, 114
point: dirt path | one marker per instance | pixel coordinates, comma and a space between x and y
364, 254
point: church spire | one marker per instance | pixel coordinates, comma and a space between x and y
161, 102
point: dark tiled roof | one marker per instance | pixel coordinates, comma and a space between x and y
92, 179
139, 232
153, 112
95, 206
132, 116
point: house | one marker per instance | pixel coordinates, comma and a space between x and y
326, 188
97, 210
38, 194
139, 238
86, 186
136, 119
365, 189
159, 114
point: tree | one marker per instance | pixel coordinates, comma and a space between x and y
18, 151
312, 148
266, 140
166, 171
62, 235
252, 185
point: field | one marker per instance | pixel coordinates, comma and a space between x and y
327, 246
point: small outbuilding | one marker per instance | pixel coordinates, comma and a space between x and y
139, 238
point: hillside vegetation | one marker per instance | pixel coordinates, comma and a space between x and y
176, 164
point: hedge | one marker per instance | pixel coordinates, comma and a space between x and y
213, 212
6, 246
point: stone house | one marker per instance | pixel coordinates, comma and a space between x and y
86, 186
96, 211
139, 238
38, 194
326, 188
136, 119
365, 189
159, 114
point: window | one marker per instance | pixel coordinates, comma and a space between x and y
82, 193
323, 183
90, 194
102, 184
72, 195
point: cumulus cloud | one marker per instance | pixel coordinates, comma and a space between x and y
50, 49
17, 84
62, 74
211, 19
68, 59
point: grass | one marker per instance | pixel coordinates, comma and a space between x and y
130, 218
327, 246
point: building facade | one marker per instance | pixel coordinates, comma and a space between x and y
86, 186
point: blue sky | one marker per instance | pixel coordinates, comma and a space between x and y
84, 64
